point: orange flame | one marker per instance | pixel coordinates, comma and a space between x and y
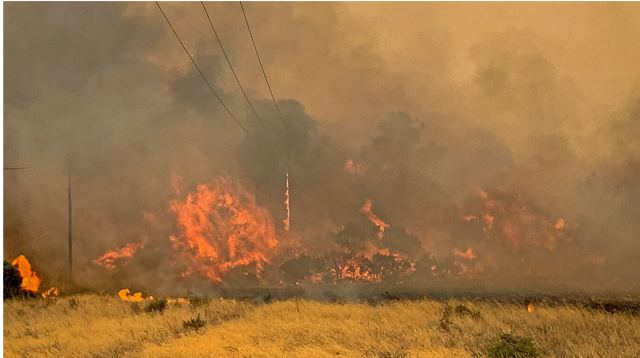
178, 301
367, 211
530, 307
109, 258
352, 270
222, 227
518, 224
287, 220
363, 269
469, 254
52, 292
30, 281
126, 295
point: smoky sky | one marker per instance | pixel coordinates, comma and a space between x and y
432, 101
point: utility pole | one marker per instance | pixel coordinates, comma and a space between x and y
69, 223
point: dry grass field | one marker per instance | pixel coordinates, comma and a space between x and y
105, 326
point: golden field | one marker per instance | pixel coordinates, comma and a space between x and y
104, 326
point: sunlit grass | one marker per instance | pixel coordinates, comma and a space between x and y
92, 325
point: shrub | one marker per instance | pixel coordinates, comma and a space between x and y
12, 280
198, 301
194, 323
156, 305
136, 308
459, 310
74, 303
300, 267
462, 310
510, 345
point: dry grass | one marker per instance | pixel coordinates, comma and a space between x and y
103, 326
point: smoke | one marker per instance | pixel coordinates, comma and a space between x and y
474, 129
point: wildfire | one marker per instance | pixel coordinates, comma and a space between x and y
52, 292
108, 259
355, 270
222, 227
517, 223
508, 223
465, 261
178, 301
126, 295
373, 263
287, 219
375, 269
353, 168
469, 254
367, 211
30, 281
530, 307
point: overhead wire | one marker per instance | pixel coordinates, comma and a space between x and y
204, 78
224, 52
264, 73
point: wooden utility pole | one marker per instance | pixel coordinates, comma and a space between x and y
70, 224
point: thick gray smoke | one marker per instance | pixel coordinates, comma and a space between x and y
497, 142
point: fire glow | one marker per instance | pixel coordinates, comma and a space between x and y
220, 227
366, 209
287, 203
30, 280
108, 259
126, 295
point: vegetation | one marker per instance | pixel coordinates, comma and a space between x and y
198, 301
156, 305
12, 280
194, 323
105, 326
510, 345
446, 321
73, 303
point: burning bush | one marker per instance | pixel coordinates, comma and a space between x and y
222, 228
380, 267
19, 280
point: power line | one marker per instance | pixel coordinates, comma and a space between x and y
204, 78
213, 28
255, 48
